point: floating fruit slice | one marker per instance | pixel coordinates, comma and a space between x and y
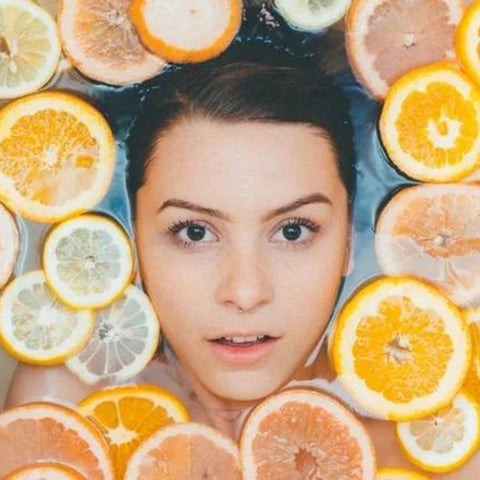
35, 327
432, 232
88, 261
46, 471
398, 474
46, 432
467, 41
290, 435
445, 440
430, 124
185, 450
386, 39
184, 31
57, 156
401, 349
312, 15
101, 41
29, 48
127, 415
9, 245
472, 382
125, 338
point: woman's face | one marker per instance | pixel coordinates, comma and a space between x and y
249, 216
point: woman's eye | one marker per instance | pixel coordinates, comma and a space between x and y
297, 231
189, 233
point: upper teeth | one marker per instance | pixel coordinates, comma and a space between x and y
244, 339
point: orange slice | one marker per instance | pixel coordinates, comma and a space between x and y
433, 232
401, 349
398, 474
57, 156
386, 39
184, 31
299, 434
467, 41
472, 382
9, 245
35, 327
445, 440
46, 432
185, 450
101, 41
430, 124
127, 415
45, 471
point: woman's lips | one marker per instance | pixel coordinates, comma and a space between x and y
243, 350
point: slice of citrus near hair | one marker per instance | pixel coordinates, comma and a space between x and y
467, 41
101, 41
9, 245
398, 474
445, 440
299, 434
185, 450
57, 156
401, 349
47, 432
29, 48
386, 39
124, 340
185, 31
127, 415
430, 124
36, 327
45, 471
88, 261
472, 382
312, 15
433, 232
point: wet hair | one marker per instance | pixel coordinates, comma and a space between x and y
260, 85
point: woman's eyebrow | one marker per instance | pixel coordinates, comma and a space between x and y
313, 198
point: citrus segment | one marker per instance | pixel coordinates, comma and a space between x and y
46, 432
430, 124
45, 471
299, 434
35, 327
88, 261
57, 156
398, 474
433, 232
185, 450
467, 41
29, 48
124, 340
312, 15
445, 440
127, 415
386, 39
101, 41
9, 245
401, 349
184, 31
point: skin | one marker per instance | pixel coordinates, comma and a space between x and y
243, 170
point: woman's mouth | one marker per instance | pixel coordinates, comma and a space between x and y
243, 341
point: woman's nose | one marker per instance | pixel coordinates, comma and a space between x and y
244, 281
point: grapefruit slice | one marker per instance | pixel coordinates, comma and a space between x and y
398, 474
127, 415
433, 232
185, 31
401, 349
46, 432
9, 245
445, 440
46, 471
299, 434
386, 39
185, 450
101, 41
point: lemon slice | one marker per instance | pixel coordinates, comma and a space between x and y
398, 474
35, 327
312, 15
29, 48
125, 338
88, 261
445, 440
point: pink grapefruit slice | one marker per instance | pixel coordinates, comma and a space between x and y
45, 471
9, 245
